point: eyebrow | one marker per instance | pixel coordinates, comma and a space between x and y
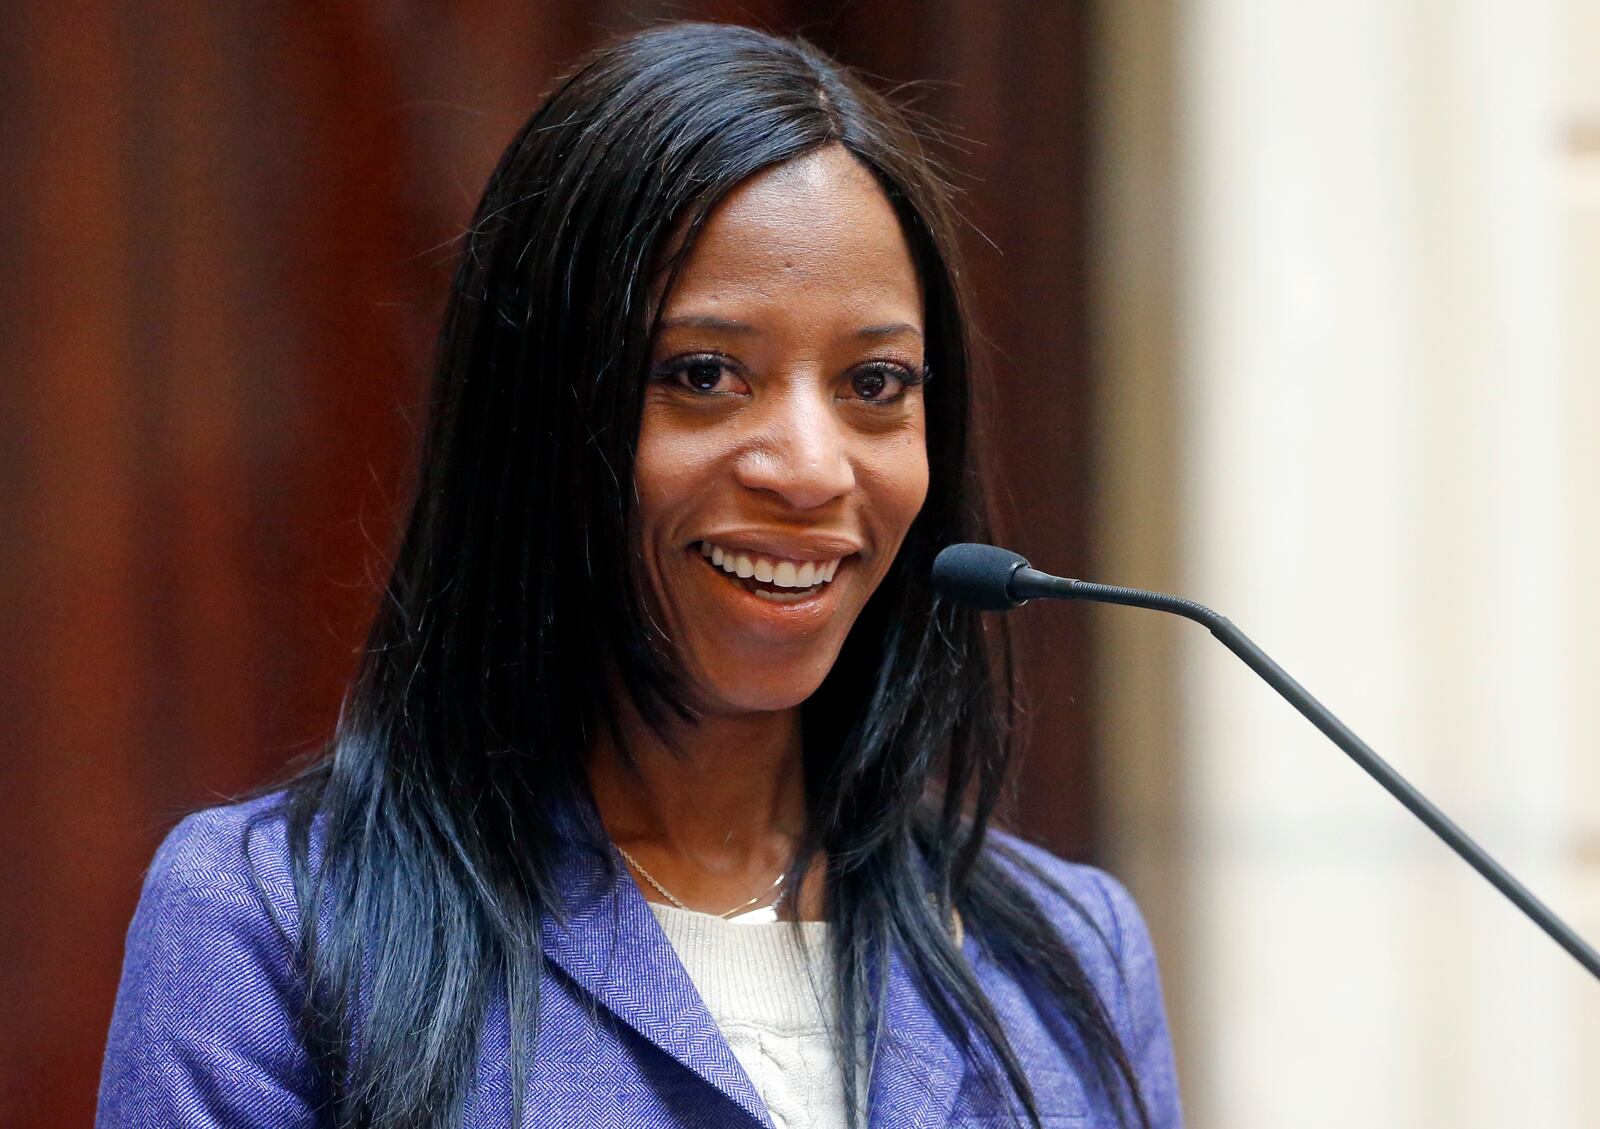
891, 329
730, 325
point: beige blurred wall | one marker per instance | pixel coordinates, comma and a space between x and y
1350, 268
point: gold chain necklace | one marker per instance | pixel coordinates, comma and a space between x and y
763, 914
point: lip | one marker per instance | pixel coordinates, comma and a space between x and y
798, 547
803, 617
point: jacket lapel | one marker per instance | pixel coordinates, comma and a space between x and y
611, 945
919, 1067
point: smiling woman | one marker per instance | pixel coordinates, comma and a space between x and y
663, 794
783, 425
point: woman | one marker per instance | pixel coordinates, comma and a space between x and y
658, 653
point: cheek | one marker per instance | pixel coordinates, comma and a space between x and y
668, 468
898, 478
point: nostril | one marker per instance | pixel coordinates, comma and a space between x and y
806, 478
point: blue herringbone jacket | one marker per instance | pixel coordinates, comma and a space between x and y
203, 1031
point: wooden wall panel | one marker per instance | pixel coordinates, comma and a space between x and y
73, 660
228, 233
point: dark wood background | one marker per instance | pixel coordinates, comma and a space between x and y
226, 233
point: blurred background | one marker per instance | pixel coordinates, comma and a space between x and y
1291, 308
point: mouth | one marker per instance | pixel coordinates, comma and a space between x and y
775, 579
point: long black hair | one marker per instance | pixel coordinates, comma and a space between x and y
422, 841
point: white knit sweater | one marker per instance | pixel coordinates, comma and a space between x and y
773, 998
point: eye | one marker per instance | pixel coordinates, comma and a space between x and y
884, 382
699, 373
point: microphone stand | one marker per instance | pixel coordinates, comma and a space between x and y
1027, 583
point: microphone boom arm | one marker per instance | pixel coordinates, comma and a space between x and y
1027, 583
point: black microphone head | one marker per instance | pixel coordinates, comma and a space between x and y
977, 575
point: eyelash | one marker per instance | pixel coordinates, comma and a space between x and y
668, 370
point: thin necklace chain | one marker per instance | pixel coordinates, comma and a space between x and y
668, 894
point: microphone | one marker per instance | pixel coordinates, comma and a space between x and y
989, 578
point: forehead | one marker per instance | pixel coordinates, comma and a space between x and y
815, 227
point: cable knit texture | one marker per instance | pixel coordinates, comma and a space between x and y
771, 994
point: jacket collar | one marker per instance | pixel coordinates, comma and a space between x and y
609, 943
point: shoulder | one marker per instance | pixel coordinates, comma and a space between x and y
204, 1015
1102, 924
1093, 910
220, 887
233, 854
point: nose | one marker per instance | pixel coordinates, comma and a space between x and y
801, 452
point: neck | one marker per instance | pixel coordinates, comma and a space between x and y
716, 821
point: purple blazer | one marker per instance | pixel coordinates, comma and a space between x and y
203, 1033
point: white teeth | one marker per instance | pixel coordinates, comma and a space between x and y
782, 573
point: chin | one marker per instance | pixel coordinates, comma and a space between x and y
777, 688
764, 698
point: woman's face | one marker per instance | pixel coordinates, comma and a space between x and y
781, 454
